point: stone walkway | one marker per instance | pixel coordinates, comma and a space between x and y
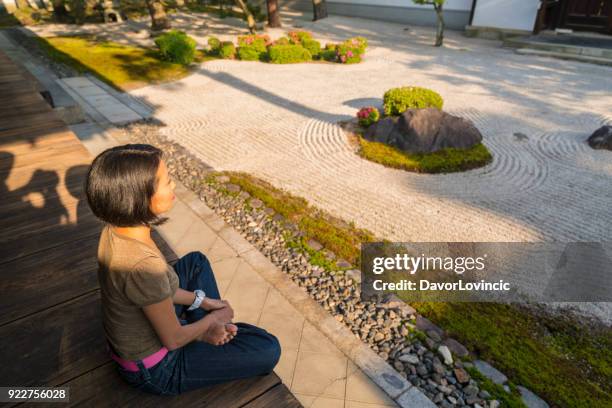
99, 102
317, 372
278, 122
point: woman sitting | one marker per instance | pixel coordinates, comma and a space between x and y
144, 299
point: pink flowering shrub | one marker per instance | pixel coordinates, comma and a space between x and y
351, 50
367, 116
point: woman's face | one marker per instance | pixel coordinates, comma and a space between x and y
163, 199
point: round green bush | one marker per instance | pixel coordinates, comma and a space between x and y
258, 42
214, 44
176, 46
313, 46
398, 100
329, 53
282, 41
298, 37
249, 53
288, 54
228, 50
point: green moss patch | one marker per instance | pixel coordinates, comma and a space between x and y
338, 236
564, 362
443, 161
121, 66
510, 399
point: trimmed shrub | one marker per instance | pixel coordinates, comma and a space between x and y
351, 50
227, 50
329, 53
288, 54
176, 46
282, 41
249, 53
214, 44
360, 43
252, 47
347, 54
398, 100
368, 115
298, 37
313, 46
257, 41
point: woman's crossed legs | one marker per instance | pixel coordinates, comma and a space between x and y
252, 352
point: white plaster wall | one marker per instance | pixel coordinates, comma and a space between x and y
512, 14
462, 5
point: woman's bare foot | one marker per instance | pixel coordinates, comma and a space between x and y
219, 333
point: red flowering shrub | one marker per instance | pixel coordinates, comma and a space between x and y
368, 115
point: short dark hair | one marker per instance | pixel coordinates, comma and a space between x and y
120, 184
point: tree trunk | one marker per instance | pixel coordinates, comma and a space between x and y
159, 20
247, 13
440, 29
59, 10
319, 9
273, 15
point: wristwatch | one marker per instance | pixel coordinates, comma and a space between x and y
199, 297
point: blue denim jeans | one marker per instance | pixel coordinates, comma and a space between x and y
252, 352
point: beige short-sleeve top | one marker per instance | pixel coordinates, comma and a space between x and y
131, 274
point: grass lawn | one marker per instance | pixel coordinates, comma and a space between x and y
567, 363
121, 66
444, 161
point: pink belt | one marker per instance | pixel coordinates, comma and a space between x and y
148, 361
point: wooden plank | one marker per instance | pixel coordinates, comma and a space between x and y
25, 109
33, 283
29, 121
22, 98
279, 396
33, 138
54, 346
23, 198
47, 158
103, 387
31, 133
41, 240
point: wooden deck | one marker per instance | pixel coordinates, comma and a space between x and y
50, 324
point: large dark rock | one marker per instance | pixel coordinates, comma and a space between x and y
424, 131
601, 138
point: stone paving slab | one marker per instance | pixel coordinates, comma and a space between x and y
98, 102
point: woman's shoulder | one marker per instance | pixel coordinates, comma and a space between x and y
124, 254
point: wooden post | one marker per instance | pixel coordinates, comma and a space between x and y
319, 9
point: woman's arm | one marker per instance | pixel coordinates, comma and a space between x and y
185, 297
171, 333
